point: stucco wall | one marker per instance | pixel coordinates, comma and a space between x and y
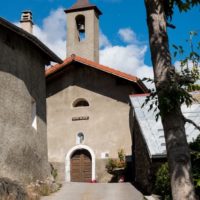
88, 48
106, 130
23, 149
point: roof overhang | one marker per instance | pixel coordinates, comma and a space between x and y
76, 59
31, 38
82, 5
152, 131
91, 7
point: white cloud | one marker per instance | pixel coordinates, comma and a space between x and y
127, 35
127, 58
178, 67
53, 32
103, 40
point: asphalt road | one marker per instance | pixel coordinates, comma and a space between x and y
96, 191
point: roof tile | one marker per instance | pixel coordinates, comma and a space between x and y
95, 65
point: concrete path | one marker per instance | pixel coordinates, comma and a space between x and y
96, 191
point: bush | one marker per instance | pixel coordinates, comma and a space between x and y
120, 162
54, 171
195, 157
162, 183
44, 188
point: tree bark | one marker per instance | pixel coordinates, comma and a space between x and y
178, 153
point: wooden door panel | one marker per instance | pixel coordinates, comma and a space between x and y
81, 166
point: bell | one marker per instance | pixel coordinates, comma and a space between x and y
81, 28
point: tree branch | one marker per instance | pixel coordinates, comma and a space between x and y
186, 120
170, 25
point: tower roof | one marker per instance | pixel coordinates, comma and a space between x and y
83, 5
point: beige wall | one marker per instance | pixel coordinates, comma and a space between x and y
107, 129
88, 48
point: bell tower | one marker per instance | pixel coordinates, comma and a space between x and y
83, 30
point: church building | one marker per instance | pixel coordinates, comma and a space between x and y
89, 113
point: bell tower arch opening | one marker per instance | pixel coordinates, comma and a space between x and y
80, 23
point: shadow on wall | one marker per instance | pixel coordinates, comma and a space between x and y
26, 66
93, 80
23, 149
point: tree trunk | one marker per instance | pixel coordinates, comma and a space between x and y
178, 153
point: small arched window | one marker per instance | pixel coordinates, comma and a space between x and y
80, 23
80, 103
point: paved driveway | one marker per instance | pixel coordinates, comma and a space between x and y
96, 191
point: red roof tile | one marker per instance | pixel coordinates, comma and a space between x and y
95, 65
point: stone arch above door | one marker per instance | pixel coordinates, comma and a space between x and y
68, 160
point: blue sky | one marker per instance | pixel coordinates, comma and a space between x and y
120, 19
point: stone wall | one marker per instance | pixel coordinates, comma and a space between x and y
23, 148
145, 167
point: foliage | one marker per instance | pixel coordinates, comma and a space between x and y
193, 87
44, 188
120, 162
121, 155
54, 171
195, 157
162, 184
175, 92
183, 6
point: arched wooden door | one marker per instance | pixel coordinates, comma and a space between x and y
81, 166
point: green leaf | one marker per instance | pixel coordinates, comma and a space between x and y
175, 54
175, 47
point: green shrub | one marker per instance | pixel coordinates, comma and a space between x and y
111, 164
120, 162
162, 184
195, 157
121, 155
54, 171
